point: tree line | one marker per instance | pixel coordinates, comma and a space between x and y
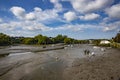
43, 40
39, 40
117, 38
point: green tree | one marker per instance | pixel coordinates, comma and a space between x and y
75, 41
96, 42
38, 38
17, 40
4, 39
29, 41
117, 38
42, 39
67, 40
60, 38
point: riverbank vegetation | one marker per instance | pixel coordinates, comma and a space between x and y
44, 40
4, 39
114, 42
39, 40
117, 38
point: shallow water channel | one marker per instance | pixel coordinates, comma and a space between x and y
23, 64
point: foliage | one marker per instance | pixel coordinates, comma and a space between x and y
105, 45
39, 39
17, 40
59, 38
29, 41
42, 39
117, 38
67, 40
4, 39
96, 42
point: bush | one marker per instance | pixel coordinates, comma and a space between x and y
104, 45
4, 39
29, 41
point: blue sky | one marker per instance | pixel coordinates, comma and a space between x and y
79, 19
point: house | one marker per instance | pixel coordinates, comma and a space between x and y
105, 42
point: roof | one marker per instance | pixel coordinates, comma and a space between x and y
104, 42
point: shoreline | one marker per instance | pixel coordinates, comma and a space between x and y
37, 49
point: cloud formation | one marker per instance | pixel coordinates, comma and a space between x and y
29, 27
57, 5
70, 16
113, 11
37, 14
81, 15
1, 20
30, 16
19, 12
91, 16
84, 6
111, 26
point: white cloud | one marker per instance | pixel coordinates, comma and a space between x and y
54, 1
9, 26
45, 15
32, 21
57, 5
108, 28
19, 12
84, 6
38, 14
91, 16
70, 16
106, 19
35, 26
1, 20
111, 26
23, 26
76, 27
37, 9
30, 16
113, 11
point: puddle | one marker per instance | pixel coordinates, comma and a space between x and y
17, 54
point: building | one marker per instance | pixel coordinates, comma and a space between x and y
105, 42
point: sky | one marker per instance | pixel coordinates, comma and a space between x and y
79, 19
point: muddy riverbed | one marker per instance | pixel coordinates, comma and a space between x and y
63, 64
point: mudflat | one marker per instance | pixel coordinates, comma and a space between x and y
64, 64
104, 67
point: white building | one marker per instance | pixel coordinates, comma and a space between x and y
105, 42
